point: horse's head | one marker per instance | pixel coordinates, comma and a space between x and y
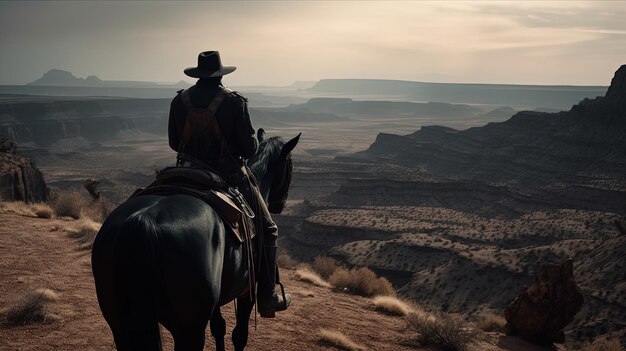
272, 168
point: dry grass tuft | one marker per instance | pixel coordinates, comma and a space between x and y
85, 230
325, 266
338, 339
603, 345
444, 331
98, 210
491, 322
285, 261
306, 275
43, 210
32, 308
391, 305
36, 210
361, 281
68, 204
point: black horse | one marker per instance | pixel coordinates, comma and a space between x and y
170, 260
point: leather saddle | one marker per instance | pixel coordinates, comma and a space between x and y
209, 187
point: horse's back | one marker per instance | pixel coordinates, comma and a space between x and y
164, 253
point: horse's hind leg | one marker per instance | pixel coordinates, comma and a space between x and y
189, 338
131, 339
133, 322
218, 329
240, 332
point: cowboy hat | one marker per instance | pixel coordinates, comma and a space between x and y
209, 65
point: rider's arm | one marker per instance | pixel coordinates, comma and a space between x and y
176, 111
245, 135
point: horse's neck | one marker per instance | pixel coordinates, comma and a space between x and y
264, 178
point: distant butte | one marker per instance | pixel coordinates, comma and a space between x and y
57, 77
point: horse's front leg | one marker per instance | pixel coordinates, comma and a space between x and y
218, 329
240, 332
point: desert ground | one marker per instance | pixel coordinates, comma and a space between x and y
41, 254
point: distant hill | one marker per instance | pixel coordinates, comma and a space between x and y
57, 77
517, 96
583, 145
349, 107
297, 85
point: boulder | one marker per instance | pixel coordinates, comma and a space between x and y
7, 146
542, 310
20, 180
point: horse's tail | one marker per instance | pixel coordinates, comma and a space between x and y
125, 266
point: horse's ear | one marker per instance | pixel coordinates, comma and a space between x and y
260, 134
289, 146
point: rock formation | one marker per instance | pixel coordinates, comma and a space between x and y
20, 180
542, 310
618, 83
579, 146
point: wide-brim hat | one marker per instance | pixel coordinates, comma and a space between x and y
209, 65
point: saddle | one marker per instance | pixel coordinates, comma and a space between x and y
212, 189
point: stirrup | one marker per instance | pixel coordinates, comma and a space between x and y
285, 304
286, 301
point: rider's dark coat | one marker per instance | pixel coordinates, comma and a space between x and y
233, 119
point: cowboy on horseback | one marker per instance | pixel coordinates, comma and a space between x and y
210, 127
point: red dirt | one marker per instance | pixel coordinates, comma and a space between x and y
37, 253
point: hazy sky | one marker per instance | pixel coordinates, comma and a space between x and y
276, 43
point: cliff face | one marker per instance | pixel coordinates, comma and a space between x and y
44, 120
20, 180
618, 83
584, 145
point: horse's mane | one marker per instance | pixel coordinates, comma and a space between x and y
268, 149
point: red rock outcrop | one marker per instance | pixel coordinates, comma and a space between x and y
542, 310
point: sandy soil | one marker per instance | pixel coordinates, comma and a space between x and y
37, 253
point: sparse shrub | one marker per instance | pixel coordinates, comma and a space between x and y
603, 345
306, 275
32, 308
391, 305
68, 204
84, 230
491, 322
445, 331
338, 339
325, 266
361, 281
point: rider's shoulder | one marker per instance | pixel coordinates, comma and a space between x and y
178, 94
177, 98
235, 96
